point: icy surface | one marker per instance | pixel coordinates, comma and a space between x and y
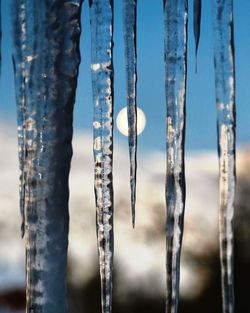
175, 18
225, 101
101, 19
46, 60
129, 8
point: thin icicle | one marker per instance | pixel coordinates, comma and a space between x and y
101, 19
197, 26
225, 101
130, 60
46, 59
0, 36
175, 18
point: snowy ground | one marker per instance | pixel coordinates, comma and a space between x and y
139, 252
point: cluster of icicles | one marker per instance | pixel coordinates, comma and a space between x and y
46, 60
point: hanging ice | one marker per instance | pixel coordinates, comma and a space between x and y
197, 26
225, 101
46, 59
175, 18
0, 34
101, 19
20, 41
130, 60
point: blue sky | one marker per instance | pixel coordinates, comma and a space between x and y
201, 111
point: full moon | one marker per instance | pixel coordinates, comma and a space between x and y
122, 121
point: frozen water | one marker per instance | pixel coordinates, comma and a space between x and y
46, 60
175, 18
101, 20
197, 26
225, 101
130, 7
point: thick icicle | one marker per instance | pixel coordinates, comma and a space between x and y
197, 26
19, 31
46, 59
225, 101
130, 59
175, 18
101, 19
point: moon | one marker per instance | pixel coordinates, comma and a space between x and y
122, 121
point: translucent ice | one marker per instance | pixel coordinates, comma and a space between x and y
175, 18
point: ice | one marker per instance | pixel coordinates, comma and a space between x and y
225, 101
46, 59
101, 20
129, 8
175, 19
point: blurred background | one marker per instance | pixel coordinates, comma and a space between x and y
139, 263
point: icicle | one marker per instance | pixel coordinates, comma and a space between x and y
101, 18
130, 59
225, 101
46, 59
197, 25
0, 35
19, 31
175, 18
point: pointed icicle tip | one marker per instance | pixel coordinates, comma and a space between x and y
129, 22
133, 217
196, 25
0, 37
